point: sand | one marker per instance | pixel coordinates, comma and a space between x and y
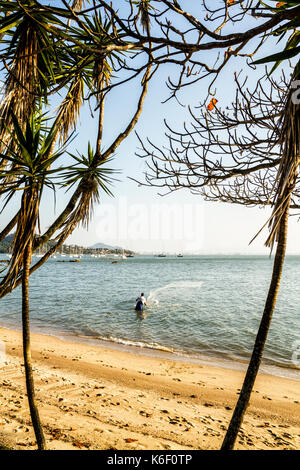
92, 397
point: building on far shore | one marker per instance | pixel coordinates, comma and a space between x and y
98, 249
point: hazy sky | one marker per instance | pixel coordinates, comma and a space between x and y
137, 217
140, 219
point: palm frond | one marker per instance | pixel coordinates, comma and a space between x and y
77, 5
69, 109
144, 7
289, 164
30, 171
30, 58
91, 179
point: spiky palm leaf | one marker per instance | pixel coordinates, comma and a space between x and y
68, 110
85, 69
30, 58
91, 179
292, 46
31, 172
144, 7
99, 33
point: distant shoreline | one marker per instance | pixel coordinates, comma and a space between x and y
90, 251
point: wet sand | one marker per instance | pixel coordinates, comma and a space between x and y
92, 397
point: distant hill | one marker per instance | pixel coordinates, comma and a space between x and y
5, 244
7, 241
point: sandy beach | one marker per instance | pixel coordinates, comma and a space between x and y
92, 397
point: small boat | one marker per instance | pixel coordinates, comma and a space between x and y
162, 255
68, 261
180, 255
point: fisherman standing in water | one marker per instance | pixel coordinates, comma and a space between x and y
140, 303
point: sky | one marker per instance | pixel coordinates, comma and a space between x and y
140, 219
137, 217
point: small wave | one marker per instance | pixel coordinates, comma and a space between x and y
86, 331
137, 344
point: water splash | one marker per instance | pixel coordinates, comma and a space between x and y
152, 298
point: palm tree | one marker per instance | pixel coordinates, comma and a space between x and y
30, 58
261, 337
29, 171
37, 63
96, 69
94, 72
83, 68
287, 174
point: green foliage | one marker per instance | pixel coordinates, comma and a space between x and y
97, 68
144, 8
85, 170
30, 27
30, 162
292, 47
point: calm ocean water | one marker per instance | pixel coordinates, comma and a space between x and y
201, 306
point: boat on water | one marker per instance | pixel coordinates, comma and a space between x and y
180, 255
69, 261
161, 255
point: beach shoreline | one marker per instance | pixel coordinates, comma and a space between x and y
158, 351
95, 397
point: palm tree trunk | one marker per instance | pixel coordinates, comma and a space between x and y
243, 401
100, 127
27, 353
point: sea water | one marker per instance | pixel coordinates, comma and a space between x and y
198, 306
